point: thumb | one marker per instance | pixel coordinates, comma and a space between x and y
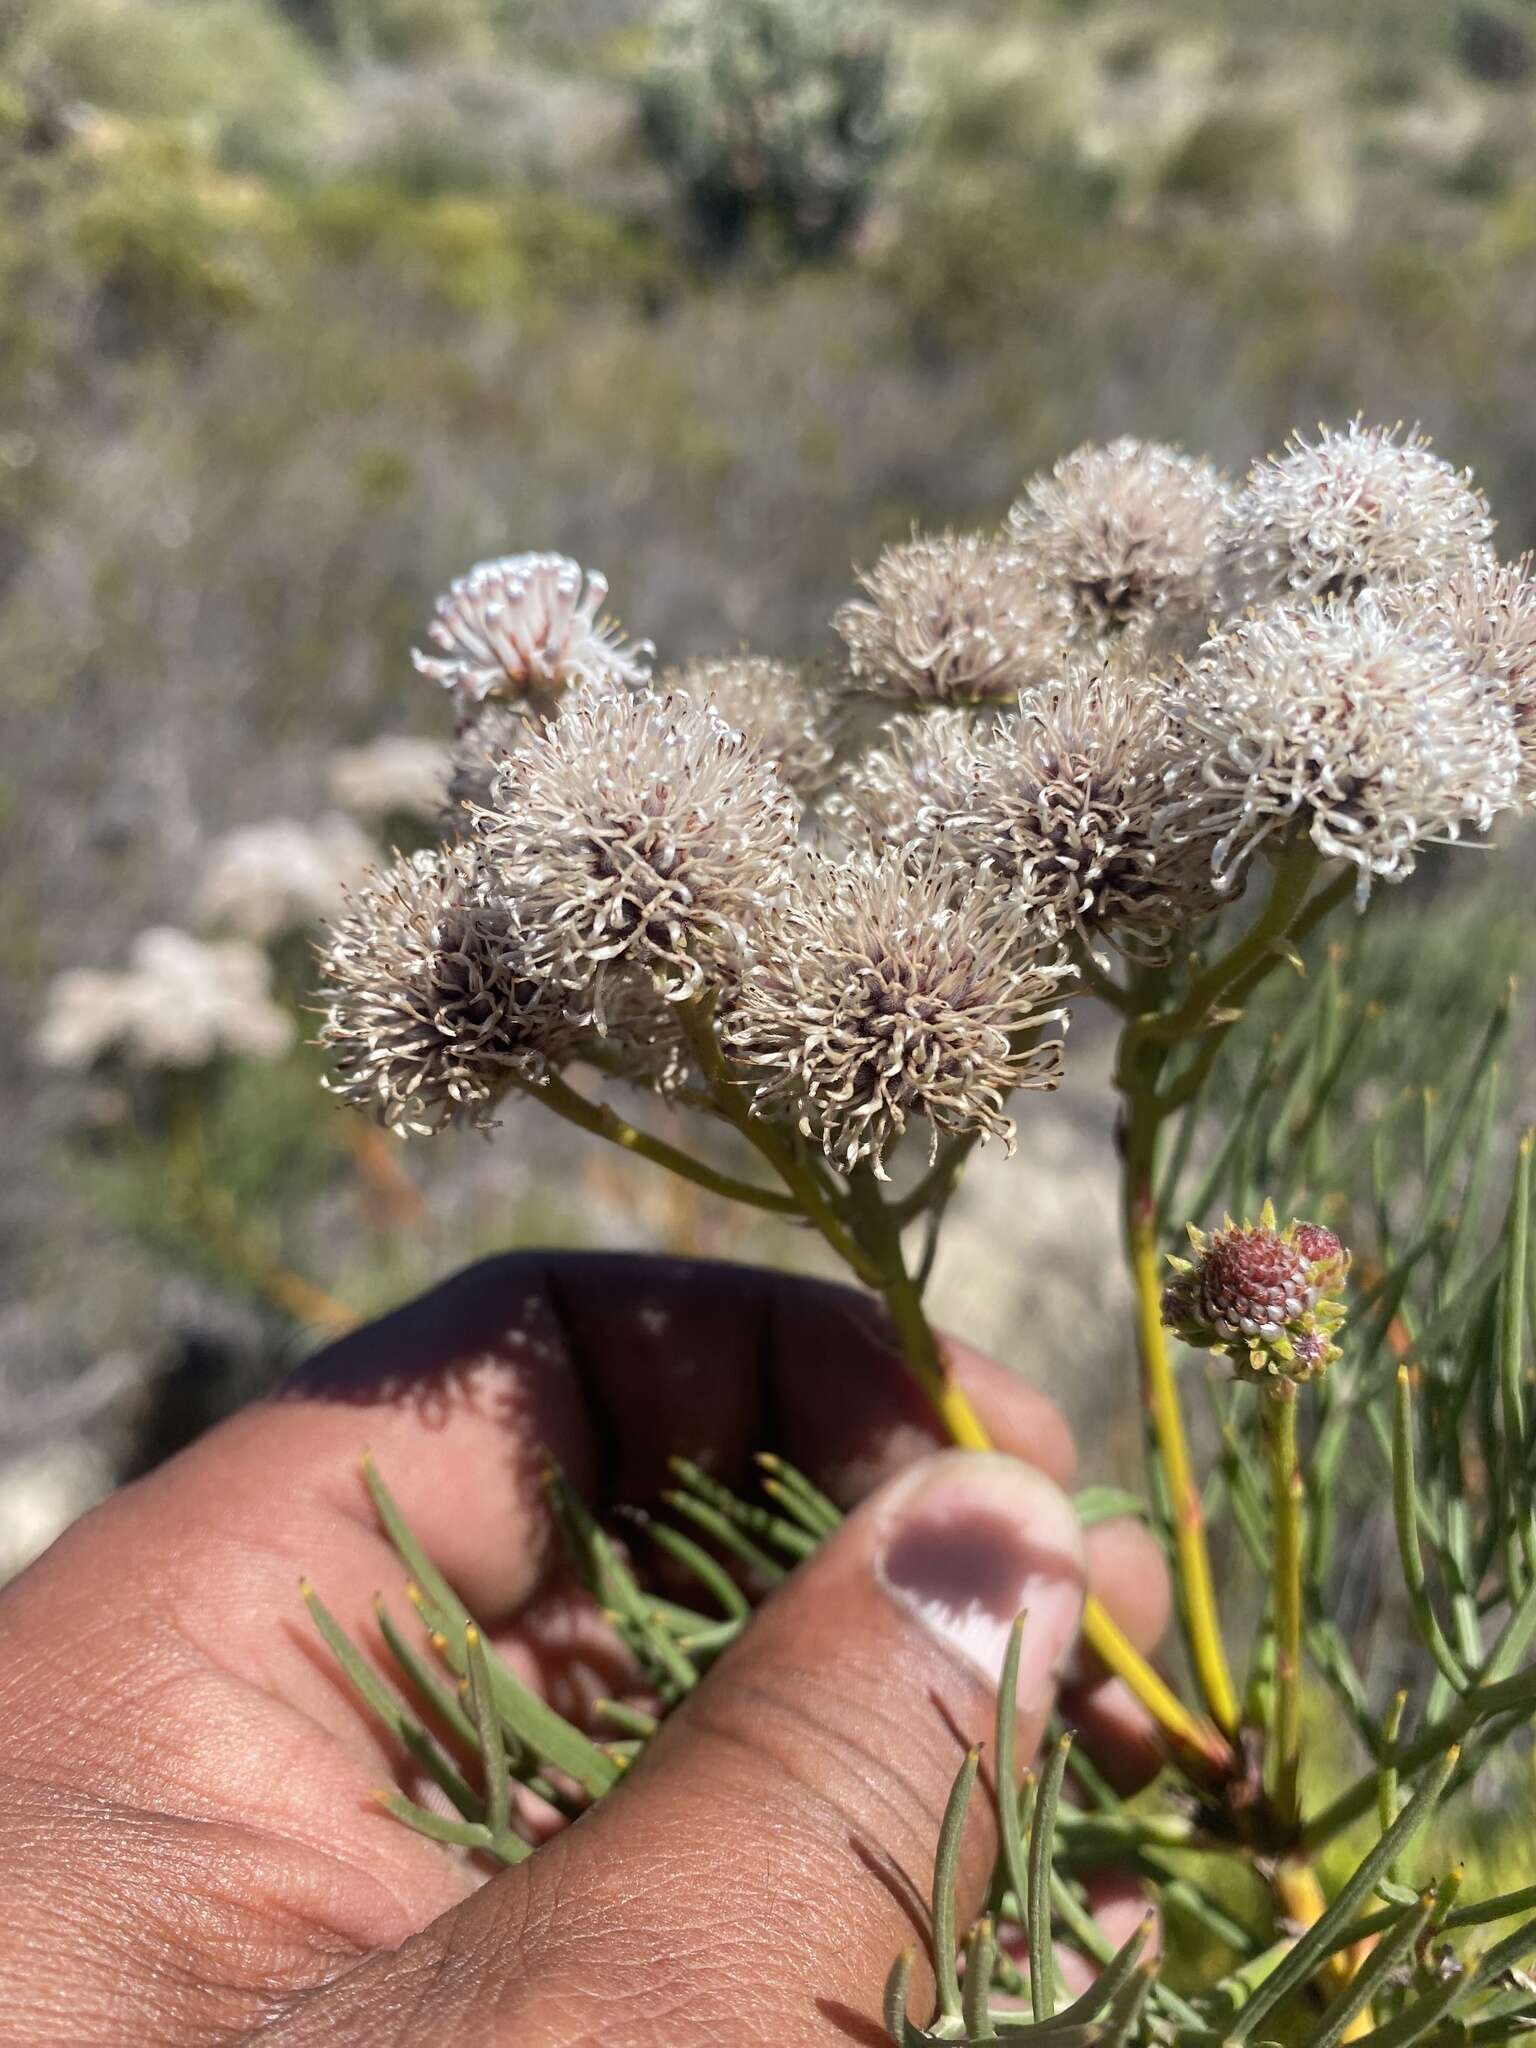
772, 1853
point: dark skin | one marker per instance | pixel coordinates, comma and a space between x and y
189, 1846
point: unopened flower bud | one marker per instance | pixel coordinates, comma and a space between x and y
1270, 1299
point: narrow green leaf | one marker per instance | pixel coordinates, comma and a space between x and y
817, 1515
438, 1827
980, 1959
449, 1614
1376, 1972
1514, 1509
388, 1705
493, 1752
945, 1935
630, 1719
897, 1984
1042, 1839
1107, 1503
1317, 1942
1386, 1784
761, 1522
442, 1699
548, 1734
693, 1557
1405, 1498
1009, 1830
710, 1519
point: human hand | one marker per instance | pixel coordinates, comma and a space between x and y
189, 1848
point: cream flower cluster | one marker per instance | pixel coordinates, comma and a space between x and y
859, 895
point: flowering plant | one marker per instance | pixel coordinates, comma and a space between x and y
1135, 748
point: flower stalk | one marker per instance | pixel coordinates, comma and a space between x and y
1286, 1494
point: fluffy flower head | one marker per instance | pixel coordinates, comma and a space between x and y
1488, 608
1372, 734
431, 1005
1130, 533
768, 703
881, 993
525, 627
1272, 1299
180, 1003
638, 832
953, 619
1078, 802
261, 881
1355, 509
907, 788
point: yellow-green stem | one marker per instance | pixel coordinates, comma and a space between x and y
604, 1122
1285, 1490
1202, 1623
772, 1141
1199, 1746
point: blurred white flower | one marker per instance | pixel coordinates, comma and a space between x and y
393, 775
180, 1002
527, 626
769, 703
261, 881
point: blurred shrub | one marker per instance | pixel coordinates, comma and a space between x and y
772, 110
234, 66
529, 251
399, 31
171, 244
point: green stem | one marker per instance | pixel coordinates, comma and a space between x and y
603, 1122
812, 1195
1199, 1747
1285, 1509
1252, 957
1160, 1390
941, 1179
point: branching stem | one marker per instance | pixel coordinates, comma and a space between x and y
603, 1122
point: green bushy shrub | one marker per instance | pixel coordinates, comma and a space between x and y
772, 110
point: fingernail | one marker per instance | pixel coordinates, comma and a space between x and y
970, 1541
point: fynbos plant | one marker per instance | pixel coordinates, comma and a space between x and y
772, 110
1139, 746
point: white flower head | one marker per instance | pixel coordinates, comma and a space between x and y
1130, 534
638, 831
1082, 802
432, 1007
908, 786
951, 620
882, 992
262, 881
1369, 733
1353, 510
770, 704
181, 1002
481, 745
1489, 609
526, 627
